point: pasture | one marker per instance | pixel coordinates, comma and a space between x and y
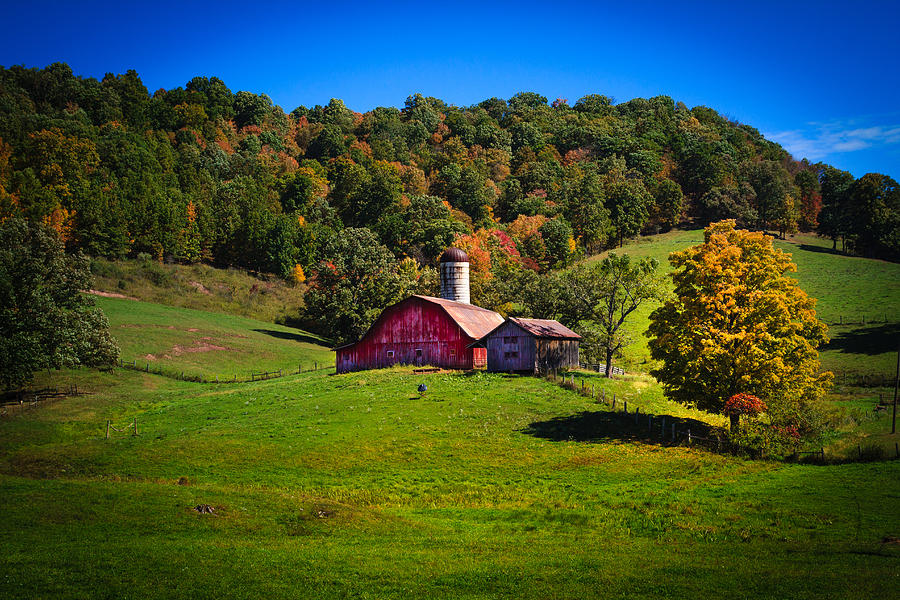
317, 485
354, 486
859, 299
205, 344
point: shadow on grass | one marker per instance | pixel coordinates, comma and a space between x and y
608, 425
822, 249
294, 337
870, 340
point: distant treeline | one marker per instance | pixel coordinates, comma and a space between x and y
204, 174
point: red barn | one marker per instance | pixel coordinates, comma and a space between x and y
422, 330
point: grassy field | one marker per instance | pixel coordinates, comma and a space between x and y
356, 486
863, 294
353, 486
206, 344
199, 286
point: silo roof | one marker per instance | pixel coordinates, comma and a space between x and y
454, 255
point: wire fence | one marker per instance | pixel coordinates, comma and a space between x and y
670, 430
146, 367
601, 368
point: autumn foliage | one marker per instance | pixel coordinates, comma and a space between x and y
738, 325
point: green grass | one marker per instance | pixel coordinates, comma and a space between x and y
207, 344
849, 290
353, 486
202, 287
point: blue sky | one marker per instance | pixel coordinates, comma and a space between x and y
822, 79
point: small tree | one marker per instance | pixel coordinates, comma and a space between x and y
45, 319
743, 404
737, 324
598, 300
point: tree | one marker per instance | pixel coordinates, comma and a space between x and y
833, 221
602, 297
737, 324
350, 288
45, 319
874, 216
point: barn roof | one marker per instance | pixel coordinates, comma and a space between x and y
475, 321
546, 328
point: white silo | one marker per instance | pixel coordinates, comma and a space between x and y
455, 275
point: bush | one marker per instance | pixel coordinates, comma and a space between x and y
871, 452
762, 440
156, 274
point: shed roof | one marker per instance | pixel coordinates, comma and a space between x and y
546, 328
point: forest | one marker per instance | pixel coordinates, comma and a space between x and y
356, 207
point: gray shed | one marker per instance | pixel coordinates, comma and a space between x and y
530, 346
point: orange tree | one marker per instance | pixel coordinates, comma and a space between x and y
736, 324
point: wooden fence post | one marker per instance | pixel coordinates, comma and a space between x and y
624, 404
690, 441
107, 429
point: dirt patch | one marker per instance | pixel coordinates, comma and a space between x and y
202, 345
110, 295
200, 287
193, 329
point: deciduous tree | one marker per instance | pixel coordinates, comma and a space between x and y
45, 319
738, 324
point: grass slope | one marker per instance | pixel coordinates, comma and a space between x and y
353, 486
208, 344
199, 286
848, 289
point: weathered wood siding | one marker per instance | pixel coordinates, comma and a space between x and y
413, 332
556, 354
510, 348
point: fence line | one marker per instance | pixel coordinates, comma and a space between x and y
601, 368
666, 431
860, 380
252, 376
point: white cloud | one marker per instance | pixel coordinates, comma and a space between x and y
819, 140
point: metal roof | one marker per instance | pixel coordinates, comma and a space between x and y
475, 321
545, 328
453, 254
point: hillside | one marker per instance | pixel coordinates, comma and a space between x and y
200, 286
208, 345
334, 486
858, 298
203, 174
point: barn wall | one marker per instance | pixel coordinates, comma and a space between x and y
510, 348
556, 354
417, 332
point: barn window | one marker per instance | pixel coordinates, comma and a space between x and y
515, 354
452, 351
390, 354
418, 353
509, 339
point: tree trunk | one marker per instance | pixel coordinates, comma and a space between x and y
609, 355
735, 422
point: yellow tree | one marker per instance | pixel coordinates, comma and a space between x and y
737, 324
